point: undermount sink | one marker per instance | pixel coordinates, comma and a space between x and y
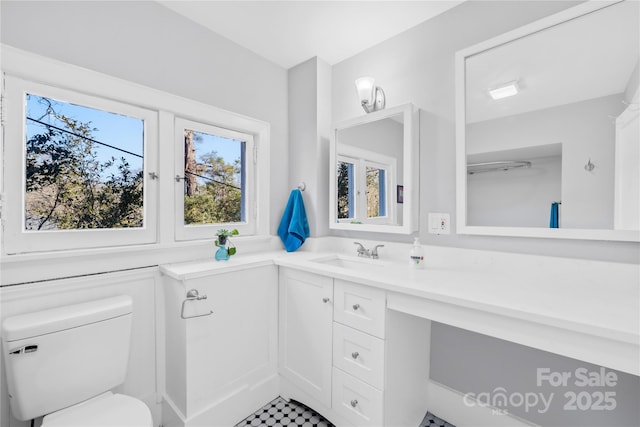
350, 262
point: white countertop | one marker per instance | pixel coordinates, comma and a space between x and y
594, 299
582, 304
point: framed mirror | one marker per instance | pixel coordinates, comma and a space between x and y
547, 128
374, 172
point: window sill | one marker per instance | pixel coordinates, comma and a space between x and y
35, 267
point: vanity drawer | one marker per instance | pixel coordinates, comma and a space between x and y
359, 354
357, 402
360, 307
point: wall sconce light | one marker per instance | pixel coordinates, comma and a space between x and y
371, 97
504, 90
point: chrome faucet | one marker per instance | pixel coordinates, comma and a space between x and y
364, 252
374, 251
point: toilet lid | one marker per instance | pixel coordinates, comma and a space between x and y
105, 410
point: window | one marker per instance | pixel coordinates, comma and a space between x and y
216, 167
90, 161
83, 169
364, 180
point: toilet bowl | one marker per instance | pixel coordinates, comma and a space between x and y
106, 410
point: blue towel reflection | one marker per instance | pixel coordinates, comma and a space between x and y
553, 218
294, 227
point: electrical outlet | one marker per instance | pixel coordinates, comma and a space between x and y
439, 223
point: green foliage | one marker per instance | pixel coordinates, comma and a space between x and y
227, 233
223, 239
218, 200
65, 187
373, 192
343, 190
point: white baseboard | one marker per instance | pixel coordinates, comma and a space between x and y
227, 411
449, 405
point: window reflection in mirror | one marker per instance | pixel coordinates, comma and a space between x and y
373, 156
376, 192
365, 176
346, 208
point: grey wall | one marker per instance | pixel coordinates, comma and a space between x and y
634, 83
484, 364
418, 66
586, 131
146, 43
309, 117
515, 198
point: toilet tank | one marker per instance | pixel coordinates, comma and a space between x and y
59, 357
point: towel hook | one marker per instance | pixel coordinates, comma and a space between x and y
302, 186
589, 166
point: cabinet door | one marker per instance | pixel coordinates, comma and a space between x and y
233, 351
306, 315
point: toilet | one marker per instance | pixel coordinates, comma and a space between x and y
63, 363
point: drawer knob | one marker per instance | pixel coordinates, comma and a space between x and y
356, 306
355, 354
325, 300
354, 403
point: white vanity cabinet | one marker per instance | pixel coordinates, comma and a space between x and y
344, 354
306, 313
221, 351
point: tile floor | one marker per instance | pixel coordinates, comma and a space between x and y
293, 414
282, 413
431, 420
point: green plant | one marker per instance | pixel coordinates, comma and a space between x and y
223, 239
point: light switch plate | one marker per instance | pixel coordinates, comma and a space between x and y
439, 223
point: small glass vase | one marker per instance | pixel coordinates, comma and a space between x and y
222, 254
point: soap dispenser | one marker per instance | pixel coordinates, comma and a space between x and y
416, 256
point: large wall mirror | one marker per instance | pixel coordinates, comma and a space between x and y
374, 172
547, 122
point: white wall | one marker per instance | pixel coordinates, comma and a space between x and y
146, 43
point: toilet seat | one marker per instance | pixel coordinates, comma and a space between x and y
105, 410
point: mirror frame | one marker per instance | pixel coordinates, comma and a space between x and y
410, 176
461, 158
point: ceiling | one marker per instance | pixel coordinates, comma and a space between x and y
290, 32
586, 58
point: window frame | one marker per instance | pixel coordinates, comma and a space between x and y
19, 240
204, 231
54, 73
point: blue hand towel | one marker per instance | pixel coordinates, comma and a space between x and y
553, 217
294, 227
